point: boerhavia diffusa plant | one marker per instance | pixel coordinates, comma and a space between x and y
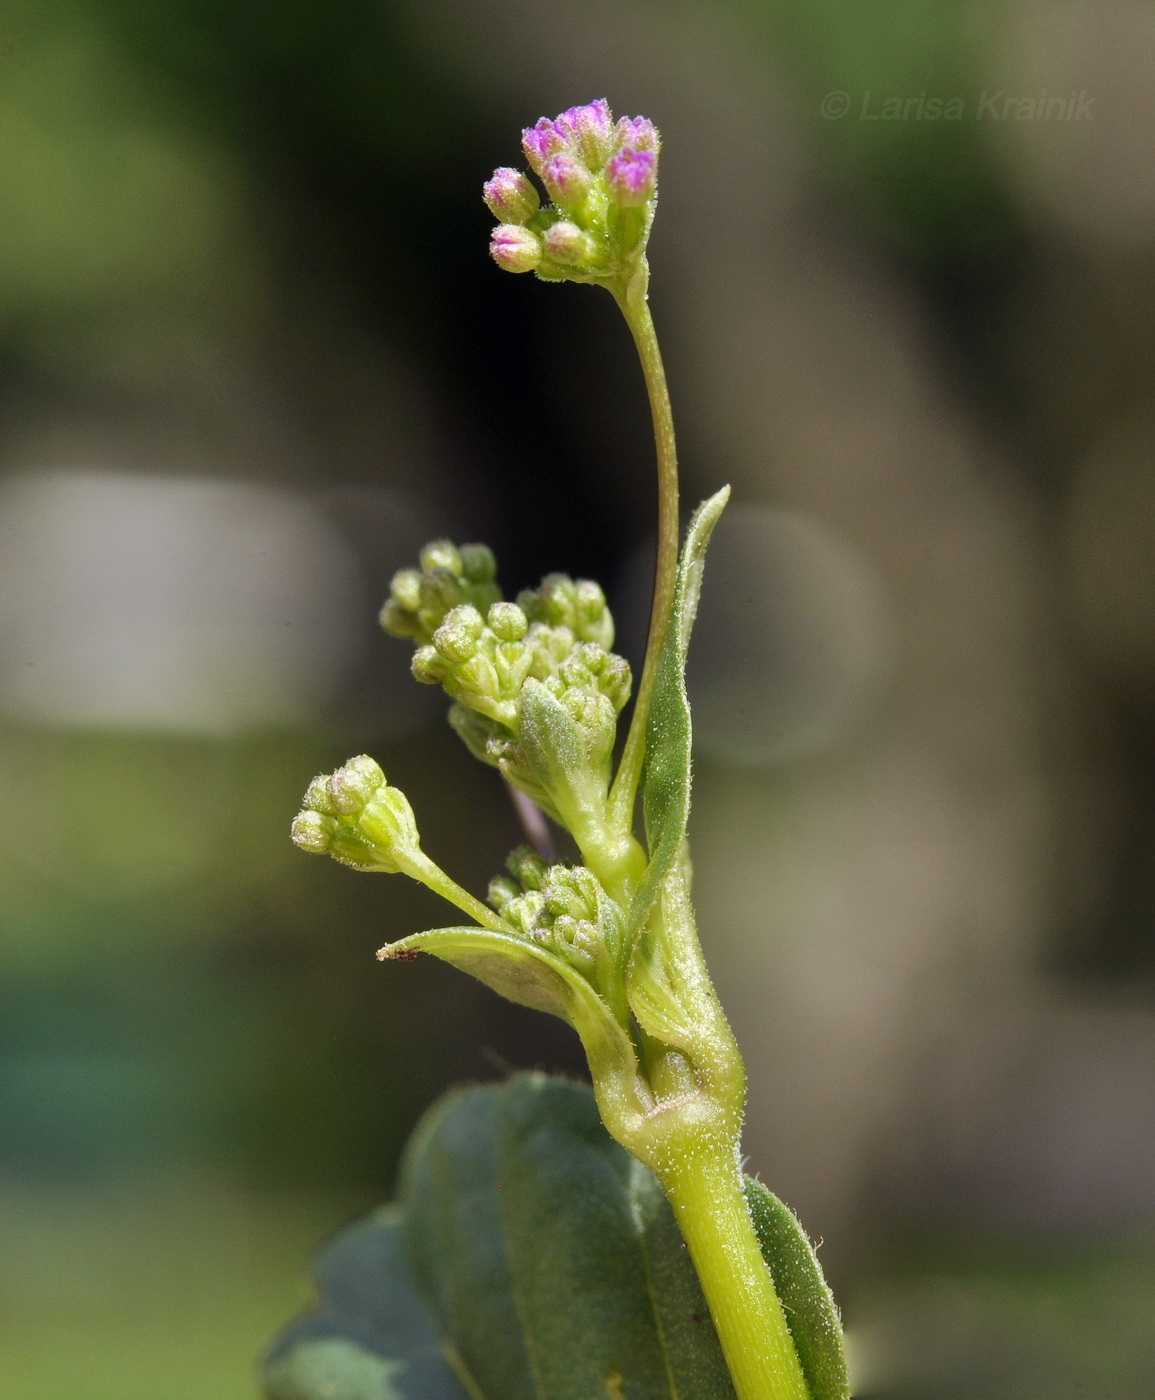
609, 945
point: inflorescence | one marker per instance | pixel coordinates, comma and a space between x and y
601, 180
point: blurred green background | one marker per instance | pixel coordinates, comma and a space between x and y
253, 354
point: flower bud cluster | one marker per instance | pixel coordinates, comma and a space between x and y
489, 655
562, 907
560, 602
448, 576
601, 180
355, 817
484, 661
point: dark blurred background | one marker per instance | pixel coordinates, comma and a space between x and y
253, 354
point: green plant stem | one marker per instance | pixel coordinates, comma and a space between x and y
419, 867
704, 1186
637, 313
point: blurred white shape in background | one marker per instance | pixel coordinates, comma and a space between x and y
792, 638
169, 604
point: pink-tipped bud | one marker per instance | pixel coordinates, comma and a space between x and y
631, 177
541, 141
514, 248
510, 197
589, 131
638, 134
566, 243
566, 179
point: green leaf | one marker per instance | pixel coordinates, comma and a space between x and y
370, 1336
666, 778
518, 970
533, 976
551, 1260
534, 1259
815, 1326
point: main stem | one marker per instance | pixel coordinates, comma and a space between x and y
702, 1176
704, 1186
641, 324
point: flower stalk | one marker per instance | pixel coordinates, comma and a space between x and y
608, 944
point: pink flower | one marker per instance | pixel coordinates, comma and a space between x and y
639, 134
632, 177
589, 131
566, 179
510, 197
541, 141
514, 248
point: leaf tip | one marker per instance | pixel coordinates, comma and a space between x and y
394, 952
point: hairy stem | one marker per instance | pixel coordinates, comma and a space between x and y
419, 867
637, 313
704, 1186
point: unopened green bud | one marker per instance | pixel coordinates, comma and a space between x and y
593, 622
549, 647
397, 621
477, 563
388, 823
526, 867
429, 666
354, 783
441, 591
501, 890
456, 639
355, 817
441, 554
566, 243
577, 939
507, 622
318, 798
596, 721
615, 680
406, 589
524, 911
591, 668
313, 832
571, 890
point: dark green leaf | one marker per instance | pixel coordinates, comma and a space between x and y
666, 780
537, 1261
550, 1258
370, 1337
806, 1300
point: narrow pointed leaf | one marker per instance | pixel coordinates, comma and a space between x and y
666, 779
512, 966
370, 1336
811, 1315
533, 976
550, 1258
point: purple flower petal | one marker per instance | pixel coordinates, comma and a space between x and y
638, 134
632, 177
541, 141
